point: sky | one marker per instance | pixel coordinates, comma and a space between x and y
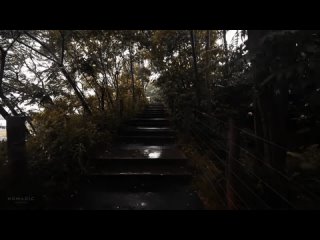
230, 34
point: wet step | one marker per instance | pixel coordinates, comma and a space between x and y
142, 166
182, 200
143, 170
155, 106
164, 172
141, 157
154, 111
155, 122
152, 115
141, 151
161, 180
142, 160
151, 140
134, 146
146, 131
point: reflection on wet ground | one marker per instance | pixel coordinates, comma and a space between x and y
152, 153
182, 200
152, 128
145, 151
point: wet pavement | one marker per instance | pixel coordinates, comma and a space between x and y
144, 169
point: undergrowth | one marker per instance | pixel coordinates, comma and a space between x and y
207, 176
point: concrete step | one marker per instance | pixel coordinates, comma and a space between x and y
146, 131
156, 122
143, 170
183, 199
155, 106
151, 140
146, 116
138, 181
138, 165
142, 167
134, 146
155, 110
143, 152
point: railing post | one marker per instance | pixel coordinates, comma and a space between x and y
121, 108
16, 142
233, 154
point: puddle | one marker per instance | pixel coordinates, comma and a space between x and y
152, 153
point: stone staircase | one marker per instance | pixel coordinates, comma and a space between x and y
143, 170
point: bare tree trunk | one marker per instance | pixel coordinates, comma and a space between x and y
105, 81
132, 75
195, 66
5, 100
102, 99
117, 88
76, 90
225, 45
208, 46
109, 98
3, 112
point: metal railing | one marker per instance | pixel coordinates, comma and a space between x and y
249, 180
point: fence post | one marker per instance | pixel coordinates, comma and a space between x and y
16, 142
121, 108
233, 153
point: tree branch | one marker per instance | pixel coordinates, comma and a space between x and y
14, 40
62, 46
43, 45
37, 51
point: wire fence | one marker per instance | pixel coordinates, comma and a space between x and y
249, 179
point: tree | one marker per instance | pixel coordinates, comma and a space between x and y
53, 46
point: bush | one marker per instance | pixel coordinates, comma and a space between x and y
60, 150
63, 145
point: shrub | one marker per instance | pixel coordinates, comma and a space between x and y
63, 144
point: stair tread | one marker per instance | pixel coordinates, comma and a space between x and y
143, 170
182, 199
143, 152
182, 171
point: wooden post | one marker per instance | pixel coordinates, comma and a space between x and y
233, 153
16, 142
121, 108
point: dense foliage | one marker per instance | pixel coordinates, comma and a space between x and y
75, 87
